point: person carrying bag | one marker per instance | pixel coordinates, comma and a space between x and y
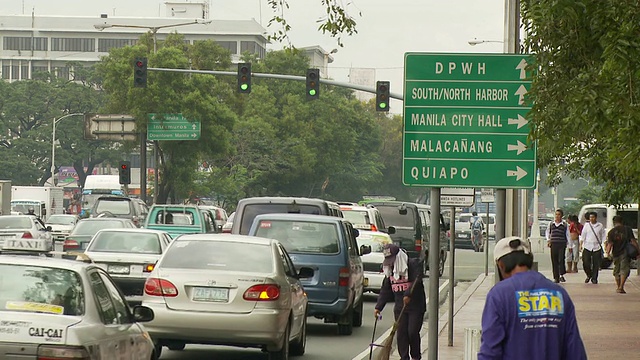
592, 248
622, 247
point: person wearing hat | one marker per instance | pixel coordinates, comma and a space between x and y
526, 315
403, 285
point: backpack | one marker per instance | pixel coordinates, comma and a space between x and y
477, 224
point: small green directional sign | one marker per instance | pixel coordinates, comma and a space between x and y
466, 121
172, 127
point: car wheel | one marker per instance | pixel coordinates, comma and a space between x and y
283, 353
346, 329
357, 314
441, 265
299, 346
177, 346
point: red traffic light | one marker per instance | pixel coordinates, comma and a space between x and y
124, 166
139, 63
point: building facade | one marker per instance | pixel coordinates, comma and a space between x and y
32, 43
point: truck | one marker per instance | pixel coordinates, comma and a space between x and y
96, 186
44, 200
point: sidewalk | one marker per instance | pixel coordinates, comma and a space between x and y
609, 323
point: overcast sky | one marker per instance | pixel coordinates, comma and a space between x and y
386, 28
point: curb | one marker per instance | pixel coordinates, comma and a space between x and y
443, 289
462, 300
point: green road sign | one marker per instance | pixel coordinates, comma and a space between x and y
465, 121
499, 173
172, 127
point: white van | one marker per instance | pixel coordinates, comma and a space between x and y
629, 213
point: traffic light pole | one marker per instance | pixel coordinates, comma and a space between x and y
281, 77
143, 166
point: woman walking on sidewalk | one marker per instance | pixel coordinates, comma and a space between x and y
526, 316
573, 246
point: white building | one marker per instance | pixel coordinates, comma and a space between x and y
32, 43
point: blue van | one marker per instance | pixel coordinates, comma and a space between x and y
328, 245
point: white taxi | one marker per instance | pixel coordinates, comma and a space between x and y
61, 309
24, 232
372, 262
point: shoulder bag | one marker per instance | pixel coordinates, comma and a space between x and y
597, 238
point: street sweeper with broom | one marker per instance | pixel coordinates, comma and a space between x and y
403, 285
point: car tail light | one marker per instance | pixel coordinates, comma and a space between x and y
70, 244
226, 230
418, 245
381, 268
160, 287
27, 235
262, 292
49, 352
148, 268
374, 227
343, 277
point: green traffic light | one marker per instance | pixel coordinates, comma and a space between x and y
383, 105
312, 92
244, 87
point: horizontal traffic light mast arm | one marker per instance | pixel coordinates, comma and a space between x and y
281, 77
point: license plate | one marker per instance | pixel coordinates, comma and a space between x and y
118, 269
366, 282
210, 294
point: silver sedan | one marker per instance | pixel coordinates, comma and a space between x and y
129, 256
24, 232
228, 290
55, 309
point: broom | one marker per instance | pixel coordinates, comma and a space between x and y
385, 353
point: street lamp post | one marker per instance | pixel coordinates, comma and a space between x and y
53, 145
475, 42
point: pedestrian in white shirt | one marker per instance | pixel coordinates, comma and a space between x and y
591, 240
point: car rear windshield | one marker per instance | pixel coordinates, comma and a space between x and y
252, 210
174, 217
61, 220
359, 219
92, 227
40, 289
302, 237
116, 207
125, 242
14, 222
392, 217
218, 255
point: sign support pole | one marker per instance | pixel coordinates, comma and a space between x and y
143, 166
486, 244
452, 261
434, 281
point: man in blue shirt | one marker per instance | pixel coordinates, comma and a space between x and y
526, 316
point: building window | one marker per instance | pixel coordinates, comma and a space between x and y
24, 43
252, 47
15, 72
6, 71
232, 46
73, 44
104, 45
24, 69
62, 72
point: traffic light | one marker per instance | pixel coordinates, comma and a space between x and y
140, 72
125, 172
244, 78
382, 96
313, 84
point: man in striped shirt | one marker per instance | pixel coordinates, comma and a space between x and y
558, 236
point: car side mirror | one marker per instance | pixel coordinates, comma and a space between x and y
142, 314
48, 228
305, 273
365, 249
355, 232
402, 209
391, 230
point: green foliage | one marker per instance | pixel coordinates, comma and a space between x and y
587, 89
587, 195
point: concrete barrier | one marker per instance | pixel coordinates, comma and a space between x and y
472, 343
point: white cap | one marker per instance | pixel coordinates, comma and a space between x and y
510, 244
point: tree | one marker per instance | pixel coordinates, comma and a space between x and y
198, 97
586, 91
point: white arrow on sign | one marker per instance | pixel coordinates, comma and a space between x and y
522, 66
522, 91
519, 173
520, 121
193, 135
520, 147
